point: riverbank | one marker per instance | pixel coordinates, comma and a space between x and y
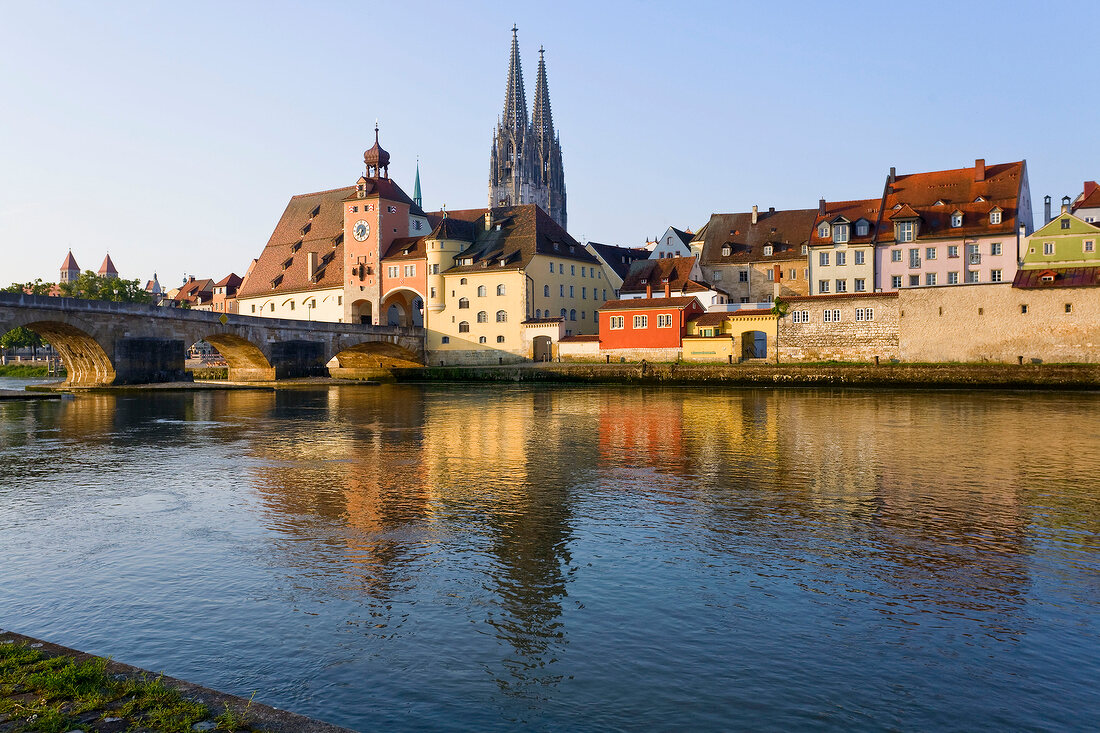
46, 687
923, 376
27, 371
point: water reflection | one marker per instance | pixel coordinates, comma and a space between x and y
543, 536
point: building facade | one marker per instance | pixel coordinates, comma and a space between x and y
1065, 241
525, 164
673, 243
841, 247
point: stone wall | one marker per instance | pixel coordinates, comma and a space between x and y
579, 351
843, 340
987, 322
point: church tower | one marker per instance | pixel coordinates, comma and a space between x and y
525, 160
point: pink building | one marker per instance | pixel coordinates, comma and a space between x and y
952, 227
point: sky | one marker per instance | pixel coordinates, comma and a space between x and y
173, 134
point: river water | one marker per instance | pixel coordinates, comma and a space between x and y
485, 558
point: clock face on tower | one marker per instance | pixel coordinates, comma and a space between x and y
361, 230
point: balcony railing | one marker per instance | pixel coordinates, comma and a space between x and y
975, 258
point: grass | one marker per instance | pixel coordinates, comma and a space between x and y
59, 694
25, 371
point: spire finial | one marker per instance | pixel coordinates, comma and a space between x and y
514, 29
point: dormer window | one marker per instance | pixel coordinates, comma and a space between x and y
767, 250
904, 231
315, 212
306, 228
823, 231
979, 199
805, 249
644, 280
726, 251
956, 220
862, 228
840, 233
941, 202
995, 217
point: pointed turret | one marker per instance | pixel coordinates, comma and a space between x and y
416, 187
515, 98
542, 120
107, 269
70, 271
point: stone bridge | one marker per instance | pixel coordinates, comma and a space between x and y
104, 343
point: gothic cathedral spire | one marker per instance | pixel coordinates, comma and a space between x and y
525, 159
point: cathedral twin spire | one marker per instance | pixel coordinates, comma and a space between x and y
525, 164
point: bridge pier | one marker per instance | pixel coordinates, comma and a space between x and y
150, 360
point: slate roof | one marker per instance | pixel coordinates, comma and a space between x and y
525, 231
619, 258
786, 231
1064, 277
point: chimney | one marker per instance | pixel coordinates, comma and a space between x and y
771, 209
821, 206
488, 220
311, 264
979, 170
648, 289
893, 175
668, 288
1046, 209
1065, 204
754, 213
775, 281
1090, 186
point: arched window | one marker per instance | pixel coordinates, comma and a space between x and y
481, 339
481, 291
546, 291
464, 327
538, 313
463, 303
482, 317
500, 289
462, 281
572, 315
502, 316
564, 314
500, 339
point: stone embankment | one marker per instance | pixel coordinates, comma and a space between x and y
34, 701
933, 376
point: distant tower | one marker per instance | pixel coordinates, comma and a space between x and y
416, 187
70, 271
525, 159
107, 269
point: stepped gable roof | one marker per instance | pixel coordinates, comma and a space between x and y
291, 242
677, 270
786, 231
1063, 277
70, 262
852, 211
646, 303
935, 195
232, 281
524, 231
619, 258
406, 248
108, 267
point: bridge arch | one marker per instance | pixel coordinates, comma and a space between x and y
246, 361
402, 307
87, 363
366, 359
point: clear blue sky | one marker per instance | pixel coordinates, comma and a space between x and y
172, 134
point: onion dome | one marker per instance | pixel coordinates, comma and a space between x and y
376, 158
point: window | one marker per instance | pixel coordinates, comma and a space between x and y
583, 273
895, 255
482, 317
391, 271
767, 250
972, 276
862, 228
292, 305
995, 249
860, 285
501, 290
463, 303
464, 327
823, 286
842, 286
956, 220
860, 254
551, 267
823, 259
905, 231
726, 251
831, 316
952, 250
502, 316
930, 278
865, 314
462, 281
952, 278
995, 276
664, 320
617, 322
914, 281
561, 291
1065, 223
743, 276
895, 282
823, 231
500, 339
841, 259
805, 249
431, 293
482, 291
1090, 245
641, 321
994, 217
538, 312
433, 270
1069, 307
800, 317
410, 270
272, 307
716, 276
446, 339
253, 307
771, 275
584, 293
1023, 309
546, 291
840, 233
1048, 248
564, 314
481, 339
571, 295
572, 315
914, 257
930, 253
572, 269
792, 274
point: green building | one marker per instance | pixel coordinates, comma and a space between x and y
1065, 241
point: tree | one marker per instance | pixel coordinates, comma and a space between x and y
780, 309
33, 288
21, 337
91, 286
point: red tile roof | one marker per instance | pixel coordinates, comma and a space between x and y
786, 232
108, 267
852, 211
646, 303
1064, 277
70, 262
232, 280
1089, 198
580, 338
677, 270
